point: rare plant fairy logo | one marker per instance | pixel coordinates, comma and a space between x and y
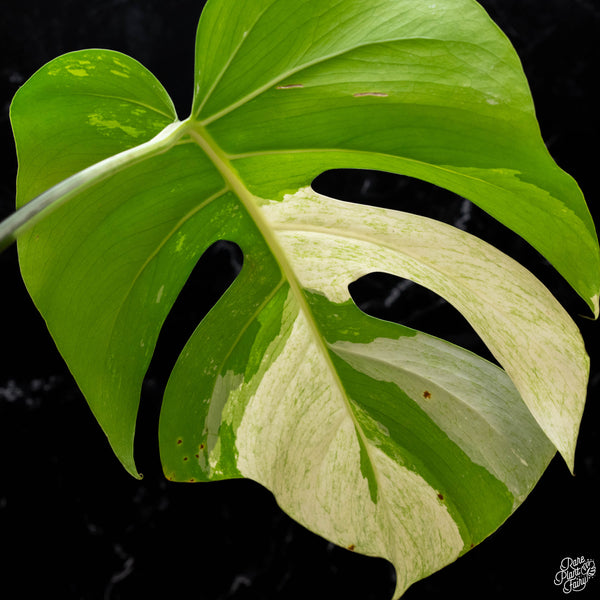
574, 573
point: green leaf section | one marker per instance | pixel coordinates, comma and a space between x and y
375, 436
430, 90
90, 266
112, 101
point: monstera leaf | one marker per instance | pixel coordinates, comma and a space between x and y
382, 439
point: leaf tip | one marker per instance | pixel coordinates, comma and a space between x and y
128, 463
568, 455
132, 470
595, 305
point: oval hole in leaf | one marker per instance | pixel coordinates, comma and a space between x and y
213, 274
408, 194
400, 300
392, 298
397, 192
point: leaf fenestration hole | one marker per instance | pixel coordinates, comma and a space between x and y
214, 272
398, 192
388, 297
402, 301
408, 194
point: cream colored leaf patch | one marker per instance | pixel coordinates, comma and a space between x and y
332, 243
298, 437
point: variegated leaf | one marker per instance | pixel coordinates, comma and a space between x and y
380, 438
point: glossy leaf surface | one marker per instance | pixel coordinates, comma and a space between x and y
379, 438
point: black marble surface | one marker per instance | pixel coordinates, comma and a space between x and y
74, 525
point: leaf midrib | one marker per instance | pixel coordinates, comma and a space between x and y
227, 171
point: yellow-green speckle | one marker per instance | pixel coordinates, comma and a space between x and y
78, 72
180, 241
98, 120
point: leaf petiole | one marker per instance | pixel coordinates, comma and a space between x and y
41, 206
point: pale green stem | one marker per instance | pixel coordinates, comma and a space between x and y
41, 206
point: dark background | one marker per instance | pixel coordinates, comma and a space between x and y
74, 525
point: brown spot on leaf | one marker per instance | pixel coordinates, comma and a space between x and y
185, 459
440, 496
426, 395
351, 547
179, 441
201, 446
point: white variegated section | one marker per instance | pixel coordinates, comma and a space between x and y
331, 243
297, 436
224, 385
474, 402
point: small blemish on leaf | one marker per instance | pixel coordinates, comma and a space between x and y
179, 441
192, 480
426, 395
201, 446
472, 545
289, 86
377, 94
185, 459
351, 547
441, 496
